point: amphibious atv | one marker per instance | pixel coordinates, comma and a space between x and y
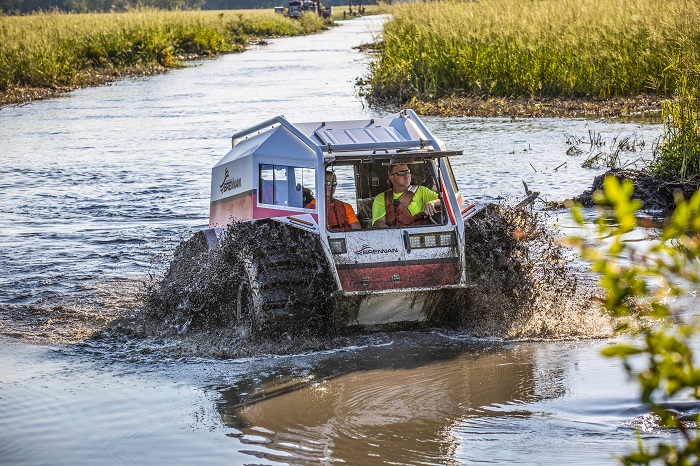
307, 273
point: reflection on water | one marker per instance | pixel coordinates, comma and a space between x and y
437, 398
400, 398
397, 402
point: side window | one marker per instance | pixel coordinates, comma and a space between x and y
305, 179
345, 190
283, 185
357, 210
453, 182
281, 195
266, 186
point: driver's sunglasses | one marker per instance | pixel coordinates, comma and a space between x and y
331, 183
401, 172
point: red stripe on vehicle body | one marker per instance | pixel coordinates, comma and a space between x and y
245, 207
365, 277
447, 207
384, 265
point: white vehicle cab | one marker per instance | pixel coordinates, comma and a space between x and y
379, 275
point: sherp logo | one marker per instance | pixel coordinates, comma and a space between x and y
227, 184
367, 249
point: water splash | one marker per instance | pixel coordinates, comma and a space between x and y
526, 285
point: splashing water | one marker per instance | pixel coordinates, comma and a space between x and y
198, 301
524, 286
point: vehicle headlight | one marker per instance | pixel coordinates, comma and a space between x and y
432, 240
415, 241
338, 245
446, 239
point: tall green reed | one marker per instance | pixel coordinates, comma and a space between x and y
552, 48
679, 152
49, 50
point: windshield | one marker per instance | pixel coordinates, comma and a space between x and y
378, 189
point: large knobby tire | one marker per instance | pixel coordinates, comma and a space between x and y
285, 286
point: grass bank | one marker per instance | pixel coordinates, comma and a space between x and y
679, 151
537, 50
46, 53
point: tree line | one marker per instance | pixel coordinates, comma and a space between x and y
86, 6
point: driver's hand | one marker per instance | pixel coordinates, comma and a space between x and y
430, 209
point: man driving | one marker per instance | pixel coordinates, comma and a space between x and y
404, 204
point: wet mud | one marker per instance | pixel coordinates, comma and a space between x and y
656, 194
538, 107
204, 287
198, 307
524, 285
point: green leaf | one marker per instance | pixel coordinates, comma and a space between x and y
620, 350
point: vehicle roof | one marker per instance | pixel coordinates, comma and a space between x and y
275, 143
303, 142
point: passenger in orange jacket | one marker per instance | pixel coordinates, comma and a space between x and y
340, 215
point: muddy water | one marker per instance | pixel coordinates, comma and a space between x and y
100, 185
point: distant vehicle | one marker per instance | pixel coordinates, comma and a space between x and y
379, 275
310, 5
295, 9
